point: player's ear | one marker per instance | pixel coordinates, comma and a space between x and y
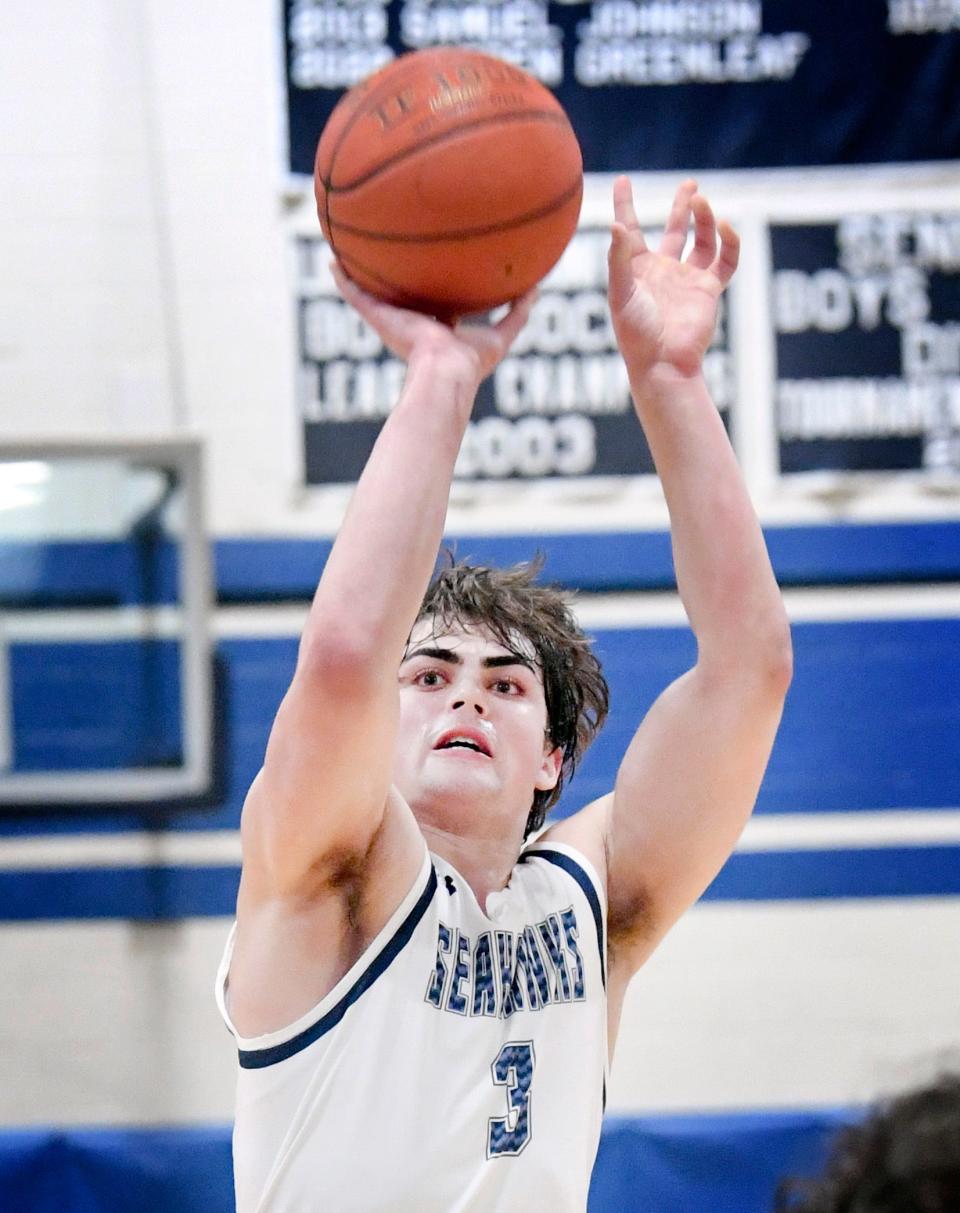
549, 769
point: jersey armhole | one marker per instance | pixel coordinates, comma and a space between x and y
223, 980
268, 1048
576, 865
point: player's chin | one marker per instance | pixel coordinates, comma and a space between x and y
463, 774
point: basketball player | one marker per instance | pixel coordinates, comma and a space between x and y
425, 1010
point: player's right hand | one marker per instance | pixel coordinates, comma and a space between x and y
470, 351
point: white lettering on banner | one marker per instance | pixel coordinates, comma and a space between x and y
342, 390
531, 447
831, 301
893, 271
664, 61
336, 43
941, 451
931, 349
680, 19
312, 259
568, 322
562, 378
336, 22
871, 242
337, 66
866, 408
922, 16
332, 328
515, 30
595, 383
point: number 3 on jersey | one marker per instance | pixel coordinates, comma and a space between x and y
513, 1069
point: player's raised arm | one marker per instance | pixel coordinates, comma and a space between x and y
690, 777
320, 796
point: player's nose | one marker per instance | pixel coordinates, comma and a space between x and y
469, 693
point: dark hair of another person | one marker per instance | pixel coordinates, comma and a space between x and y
508, 603
903, 1158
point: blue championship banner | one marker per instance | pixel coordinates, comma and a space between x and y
557, 406
867, 318
671, 84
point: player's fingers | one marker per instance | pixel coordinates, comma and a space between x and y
396, 327
355, 295
377, 311
620, 265
510, 325
623, 209
704, 249
729, 255
678, 221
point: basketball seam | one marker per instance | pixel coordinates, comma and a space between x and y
467, 233
411, 299
385, 87
493, 120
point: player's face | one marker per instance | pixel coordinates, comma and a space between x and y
473, 721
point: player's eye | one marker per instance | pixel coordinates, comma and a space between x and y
507, 686
428, 678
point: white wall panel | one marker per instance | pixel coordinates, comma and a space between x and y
763, 1005
791, 1005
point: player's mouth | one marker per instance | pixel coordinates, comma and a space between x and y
464, 740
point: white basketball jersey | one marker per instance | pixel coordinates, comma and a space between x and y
458, 1067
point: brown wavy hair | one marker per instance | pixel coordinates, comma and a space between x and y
903, 1157
508, 602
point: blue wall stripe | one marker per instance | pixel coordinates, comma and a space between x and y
726, 1163
151, 894
926, 871
184, 892
263, 570
175, 1170
871, 722
269, 569
706, 1164
117, 572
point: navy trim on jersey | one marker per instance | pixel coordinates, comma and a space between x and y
255, 1059
572, 868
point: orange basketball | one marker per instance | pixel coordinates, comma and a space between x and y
448, 181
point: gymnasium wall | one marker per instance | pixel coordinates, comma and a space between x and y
158, 258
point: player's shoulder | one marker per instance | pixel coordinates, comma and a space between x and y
583, 833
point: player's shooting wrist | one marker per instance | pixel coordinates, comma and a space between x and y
445, 376
664, 380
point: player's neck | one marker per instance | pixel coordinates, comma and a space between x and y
484, 863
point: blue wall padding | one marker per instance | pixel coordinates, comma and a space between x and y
116, 1171
142, 894
705, 1164
669, 1164
265, 570
157, 894
871, 722
95, 705
872, 719
832, 554
107, 572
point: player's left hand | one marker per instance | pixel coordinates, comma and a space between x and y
664, 310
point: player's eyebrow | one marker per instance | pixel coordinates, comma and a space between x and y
453, 658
